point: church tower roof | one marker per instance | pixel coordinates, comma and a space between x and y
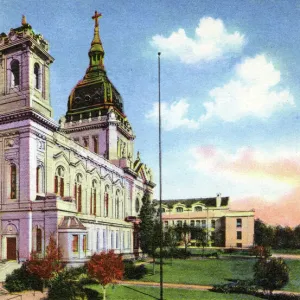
95, 94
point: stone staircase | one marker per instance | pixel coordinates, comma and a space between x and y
6, 267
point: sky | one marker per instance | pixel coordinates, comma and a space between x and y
229, 89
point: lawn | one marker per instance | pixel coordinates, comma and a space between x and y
148, 293
215, 271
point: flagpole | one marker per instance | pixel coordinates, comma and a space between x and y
160, 184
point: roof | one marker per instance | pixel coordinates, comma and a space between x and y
71, 223
209, 202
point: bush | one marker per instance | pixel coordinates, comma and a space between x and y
21, 280
239, 287
262, 252
271, 274
134, 272
69, 285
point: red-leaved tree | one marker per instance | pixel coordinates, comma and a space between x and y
46, 267
106, 268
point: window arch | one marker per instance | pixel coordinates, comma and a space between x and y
179, 209
59, 184
78, 192
106, 201
93, 197
15, 73
198, 208
40, 179
13, 181
37, 76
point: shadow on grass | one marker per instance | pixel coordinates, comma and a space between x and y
133, 289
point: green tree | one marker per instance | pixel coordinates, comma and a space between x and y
149, 228
263, 234
184, 234
171, 240
271, 274
200, 237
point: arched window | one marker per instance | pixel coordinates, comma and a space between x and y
137, 205
15, 73
179, 209
39, 240
198, 208
78, 192
37, 76
93, 198
118, 204
106, 201
59, 184
13, 181
40, 179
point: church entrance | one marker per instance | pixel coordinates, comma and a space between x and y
11, 248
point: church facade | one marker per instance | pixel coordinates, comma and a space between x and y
78, 179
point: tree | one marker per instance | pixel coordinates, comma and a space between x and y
271, 274
149, 228
263, 234
171, 240
184, 233
46, 267
200, 237
106, 268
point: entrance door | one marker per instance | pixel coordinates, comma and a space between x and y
11, 248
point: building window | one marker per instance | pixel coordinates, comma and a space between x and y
203, 223
96, 148
84, 243
137, 205
37, 76
198, 208
59, 181
213, 223
93, 198
179, 209
112, 240
118, 204
86, 142
192, 223
117, 240
78, 192
179, 223
239, 245
166, 224
75, 243
238, 222
40, 179
13, 181
238, 235
106, 201
198, 223
15, 73
39, 240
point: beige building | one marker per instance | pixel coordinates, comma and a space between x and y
224, 227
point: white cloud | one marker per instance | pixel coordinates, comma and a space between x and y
212, 41
254, 91
172, 115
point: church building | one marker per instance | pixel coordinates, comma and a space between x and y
79, 180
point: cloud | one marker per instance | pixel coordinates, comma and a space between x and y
284, 211
212, 41
255, 172
172, 115
254, 91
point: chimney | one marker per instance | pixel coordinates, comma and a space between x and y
218, 200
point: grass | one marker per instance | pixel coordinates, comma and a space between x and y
203, 272
286, 251
216, 271
151, 293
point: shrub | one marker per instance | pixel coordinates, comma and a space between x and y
262, 252
21, 280
271, 274
134, 272
239, 287
69, 285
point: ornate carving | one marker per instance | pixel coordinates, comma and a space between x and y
41, 145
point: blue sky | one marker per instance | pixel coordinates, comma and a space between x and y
229, 80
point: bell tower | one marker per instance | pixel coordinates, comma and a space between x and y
24, 71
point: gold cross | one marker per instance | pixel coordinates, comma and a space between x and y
96, 16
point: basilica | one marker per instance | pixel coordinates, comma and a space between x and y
80, 179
